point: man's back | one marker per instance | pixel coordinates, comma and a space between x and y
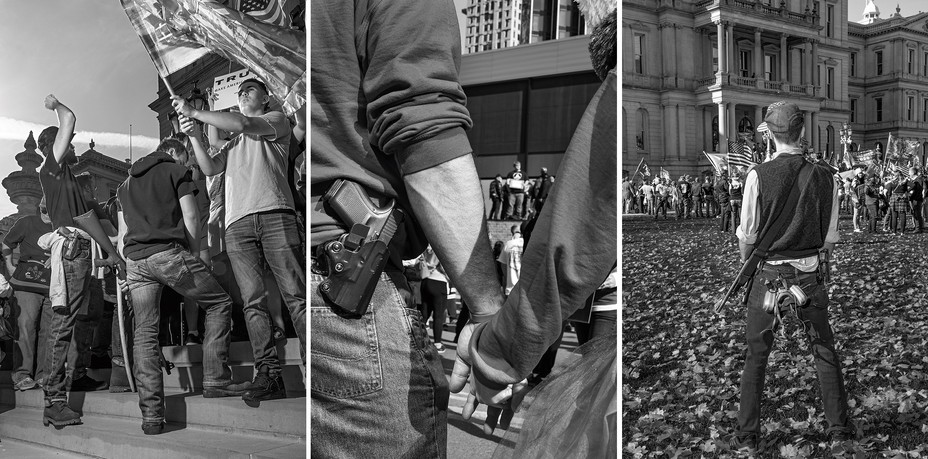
150, 201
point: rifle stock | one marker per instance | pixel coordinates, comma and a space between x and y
745, 277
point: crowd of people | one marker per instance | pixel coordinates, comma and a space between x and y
875, 202
518, 197
712, 197
196, 201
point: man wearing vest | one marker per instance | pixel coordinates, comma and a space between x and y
794, 258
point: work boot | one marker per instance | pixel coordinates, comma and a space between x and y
233, 389
265, 387
153, 428
60, 414
87, 384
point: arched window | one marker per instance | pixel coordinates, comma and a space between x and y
746, 125
715, 133
830, 141
643, 130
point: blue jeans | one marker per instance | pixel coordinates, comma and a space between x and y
760, 341
188, 276
515, 206
30, 308
62, 324
271, 238
378, 388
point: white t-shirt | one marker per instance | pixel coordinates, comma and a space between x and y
511, 256
256, 177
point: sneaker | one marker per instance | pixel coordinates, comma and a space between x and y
747, 443
440, 347
60, 414
87, 384
279, 334
858, 230
233, 389
153, 428
25, 384
192, 338
265, 387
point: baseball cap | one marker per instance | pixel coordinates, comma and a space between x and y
783, 116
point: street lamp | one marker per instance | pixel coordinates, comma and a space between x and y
846, 133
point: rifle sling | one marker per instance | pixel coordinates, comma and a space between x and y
775, 230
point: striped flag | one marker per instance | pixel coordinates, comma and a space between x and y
738, 155
274, 12
276, 55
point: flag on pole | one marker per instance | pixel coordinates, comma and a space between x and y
645, 170
276, 55
866, 157
718, 160
665, 174
738, 156
169, 50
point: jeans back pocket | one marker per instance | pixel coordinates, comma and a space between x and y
344, 355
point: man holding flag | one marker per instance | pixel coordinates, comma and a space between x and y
261, 224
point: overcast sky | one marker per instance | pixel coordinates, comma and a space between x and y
85, 53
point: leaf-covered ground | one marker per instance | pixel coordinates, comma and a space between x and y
682, 363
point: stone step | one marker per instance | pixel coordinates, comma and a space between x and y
116, 437
274, 418
25, 450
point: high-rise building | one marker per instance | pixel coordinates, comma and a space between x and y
495, 24
697, 73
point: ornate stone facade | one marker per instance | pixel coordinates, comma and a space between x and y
697, 73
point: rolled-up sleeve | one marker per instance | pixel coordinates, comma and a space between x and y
747, 230
415, 104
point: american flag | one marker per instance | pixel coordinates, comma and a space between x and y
269, 11
739, 155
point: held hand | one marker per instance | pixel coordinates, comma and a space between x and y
51, 102
502, 401
6, 291
181, 107
189, 126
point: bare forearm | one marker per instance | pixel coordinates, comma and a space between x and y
227, 121
455, 224
746, 250
208, 165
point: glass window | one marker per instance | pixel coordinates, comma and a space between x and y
909, 108
642, 128
770, 67
745, 63
879, 108
829, 20
853, 71
830, 82
879, 62
853, 117
639, 53
911, 62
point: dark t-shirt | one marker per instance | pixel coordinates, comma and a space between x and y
25, 234
63, 195
150, 203
516, 181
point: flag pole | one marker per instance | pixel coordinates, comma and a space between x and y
130, 144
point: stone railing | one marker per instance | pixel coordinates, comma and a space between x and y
761, 8
641, 81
